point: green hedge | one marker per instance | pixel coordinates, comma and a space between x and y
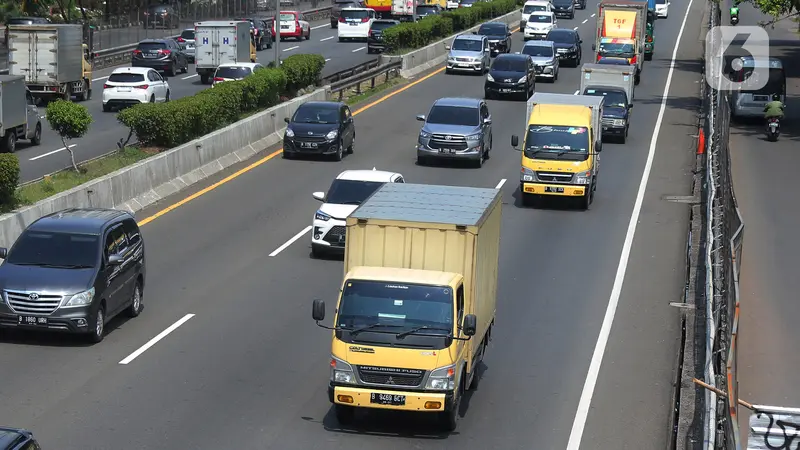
169, 125
414, 35
9, 179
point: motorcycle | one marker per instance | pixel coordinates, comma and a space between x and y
734, 20
773, 129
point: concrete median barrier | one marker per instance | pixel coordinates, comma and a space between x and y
142, 184
428, 57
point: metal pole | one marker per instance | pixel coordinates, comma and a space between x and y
277, 33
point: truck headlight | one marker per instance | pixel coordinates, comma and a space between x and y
527, 175
341, 372
442, 379
81, 299
319, 215
583, 177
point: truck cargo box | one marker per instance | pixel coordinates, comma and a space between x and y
218, 42
46, 54
594, 103
597, 75
13, 112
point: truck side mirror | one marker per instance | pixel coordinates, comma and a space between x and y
318, 310
3, 252
470, 325
514, 140
630, 105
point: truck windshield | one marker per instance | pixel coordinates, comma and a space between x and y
400, 306
232, 72
611, 97
424, 10
557, 142
616, 48
351, 192
35, 248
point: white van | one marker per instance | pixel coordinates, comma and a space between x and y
354, 23
532, 6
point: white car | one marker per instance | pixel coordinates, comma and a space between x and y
129, 86
533, 6
354, 23
234, 71
293, 25
347, 191
539, 24
662, 8
452, 4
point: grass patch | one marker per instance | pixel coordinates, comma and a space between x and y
372, 91
68, 179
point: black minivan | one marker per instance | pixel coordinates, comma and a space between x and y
564, 8
73, 271
320, 128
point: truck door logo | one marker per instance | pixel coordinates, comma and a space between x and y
225, 41
205, 40
390, 380
357, 349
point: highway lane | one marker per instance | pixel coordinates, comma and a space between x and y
767, 330
50, 156
251, 362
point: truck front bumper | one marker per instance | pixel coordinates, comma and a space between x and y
414, 400
562, 190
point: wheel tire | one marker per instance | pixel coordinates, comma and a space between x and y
172, 70
308, 36
479, 163
588, 198
204, 79
136, 306
67, 93
106, 108
339, 152
529, 200
166, 98
341, 39
473, 385
98, 331
185, 68
152, 98
286, 155
449, 419
345, 415
422, 161
10, 143
85, 91
352, 146
37, 135
317, 252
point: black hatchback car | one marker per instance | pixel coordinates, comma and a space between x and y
161, 16
320, 128
17, 439
564, 8
511, 74
375, 37
165, 55
499, 36
73, 271
568, 45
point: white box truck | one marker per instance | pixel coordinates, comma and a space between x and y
220, 41
17, 122
405, 10
52, 58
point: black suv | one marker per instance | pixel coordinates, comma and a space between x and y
261, 34
375, 37
165, 55
564, 8
568, 45
73, 271
17, 439
499, 36
161, 16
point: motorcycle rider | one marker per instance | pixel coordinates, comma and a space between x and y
774, 109
735, 9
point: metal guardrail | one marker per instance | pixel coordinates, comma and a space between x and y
351, 72
371, 75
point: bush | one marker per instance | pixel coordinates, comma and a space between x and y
414, 35
9, 179
302, 71
171, 124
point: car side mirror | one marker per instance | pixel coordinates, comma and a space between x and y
580, 41
318, 310
487, 121
469, 325
514, 141
319, 196
446, 47
630, 105
594, 47
115, 260
287, 119
3, 252
421, 117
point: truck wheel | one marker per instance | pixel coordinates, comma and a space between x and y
345, 415
449, 419
10, 142
204, 79
67, 93
530, 200
37, 135
588, 198
85, 86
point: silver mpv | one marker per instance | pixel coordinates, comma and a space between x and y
469, 53
545, 58
455, 128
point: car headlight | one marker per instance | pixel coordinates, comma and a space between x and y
331, 134
474, 137
442, 379
341, 372
618, 122
289, 133
583, 177
319, 215
424, 135
489, 77
81, 299
526, 174
522, 80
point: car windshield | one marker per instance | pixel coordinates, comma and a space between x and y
288, 17
152, 46
37, 248
187, 34
316, 114
380, 26
557, 142
468, 45
615, 48
492, 29
126, 78
454, 115
538, 18
426, 9
233, 72
661, 2
752, 84
561, 37
614, 61
510, 64
537, 50
611, 98
351, 192
533, 8
355, 14
396, 305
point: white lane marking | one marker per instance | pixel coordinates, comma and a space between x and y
291, 241
327, 59
576, 92
100, 79
359, 49
326, 39
291, 48
592, 15
155, 340
190, 76
320, 26
584, 21
585, 402
51, 153
500, 184
576, 28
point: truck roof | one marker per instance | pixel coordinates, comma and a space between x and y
608, 68
399, 275
219, 23
564, 99
426, 203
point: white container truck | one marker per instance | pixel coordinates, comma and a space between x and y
404, 10
608, 75
52, 58
17, 122
218, 42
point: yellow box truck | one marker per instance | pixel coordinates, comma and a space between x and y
417, 304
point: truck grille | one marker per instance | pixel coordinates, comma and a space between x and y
441, 141
336, 235
31, 303
554, 177
390, 376
608, 121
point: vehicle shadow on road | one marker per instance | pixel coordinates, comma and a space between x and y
551, 203
56, 339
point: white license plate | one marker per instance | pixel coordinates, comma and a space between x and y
190, 47
462, 65
284, 27
123, 89
505, 90
353, 24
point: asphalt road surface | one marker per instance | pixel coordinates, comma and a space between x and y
105, 131
248, 367
768, 363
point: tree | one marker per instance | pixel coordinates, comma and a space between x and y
70, 121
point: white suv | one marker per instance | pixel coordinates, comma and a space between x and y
347, 191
